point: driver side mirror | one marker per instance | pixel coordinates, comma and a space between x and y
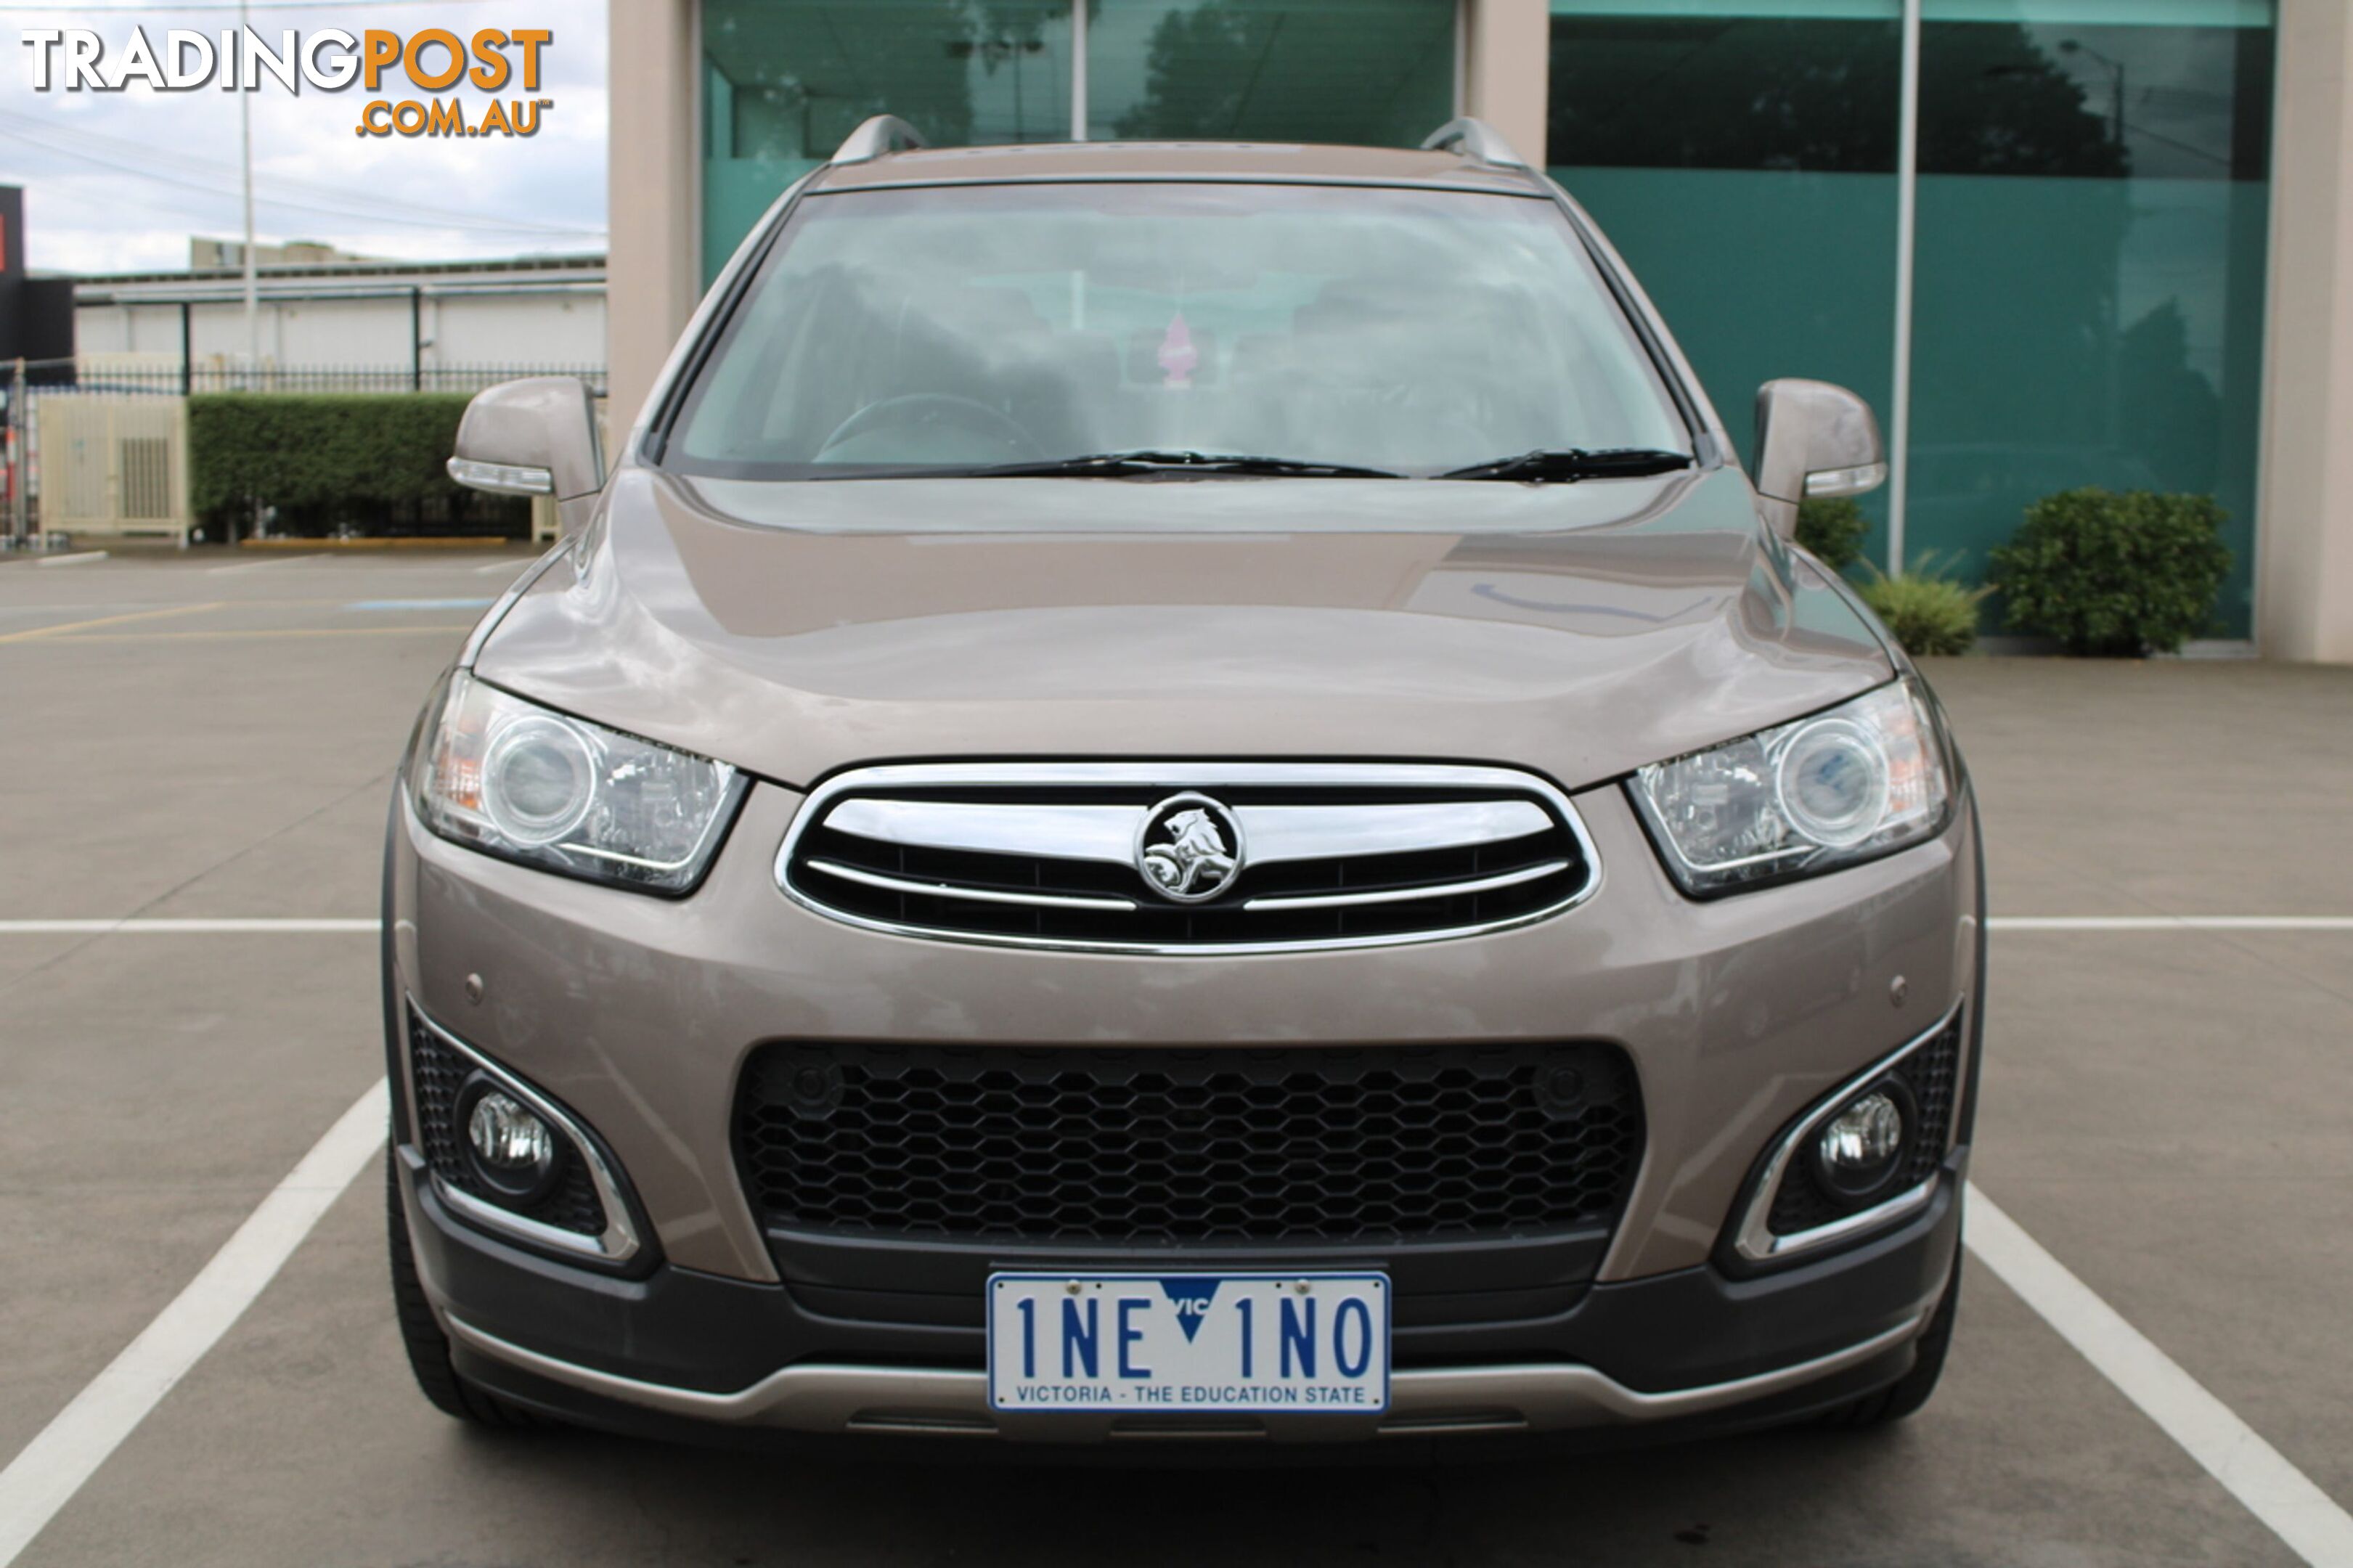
536, 437
1813, 439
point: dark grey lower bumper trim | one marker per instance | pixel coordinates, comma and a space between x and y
1528, 1399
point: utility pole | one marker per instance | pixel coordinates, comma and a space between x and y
252, 302
19, 517
245, 136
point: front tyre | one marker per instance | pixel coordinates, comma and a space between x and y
1907, 1393
421, 1335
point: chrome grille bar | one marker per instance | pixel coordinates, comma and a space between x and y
1052, 855
970, 895
1107, 833
1408, 895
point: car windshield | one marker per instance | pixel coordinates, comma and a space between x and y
950, 330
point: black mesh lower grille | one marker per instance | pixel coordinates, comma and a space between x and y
1168, 1146
438, 1073
1932, 1073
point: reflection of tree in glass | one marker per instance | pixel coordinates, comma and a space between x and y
1814, 94
1701, 94
805, 76
1200, 71
1992, 102
1369, 72
2171, 416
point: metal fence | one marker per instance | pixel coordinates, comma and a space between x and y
27, 384
99, 376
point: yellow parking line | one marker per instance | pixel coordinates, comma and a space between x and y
31, 632
455, 628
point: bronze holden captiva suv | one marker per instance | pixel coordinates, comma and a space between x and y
1179, 791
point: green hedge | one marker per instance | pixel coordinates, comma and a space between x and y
2118, 575
1832, 526
364, 462
1929, 613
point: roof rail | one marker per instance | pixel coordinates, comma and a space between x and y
883, 133
1474, 139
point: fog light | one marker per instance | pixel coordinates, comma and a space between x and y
507, 1137
1862, 1146
514, 1152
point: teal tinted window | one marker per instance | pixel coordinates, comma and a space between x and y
1371, 73
2090, 251
1725, 91
2088, 304
1744, 162
784, 81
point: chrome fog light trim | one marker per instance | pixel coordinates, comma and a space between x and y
1755, 1240
619, 1244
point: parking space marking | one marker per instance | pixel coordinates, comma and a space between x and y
447, 629
264, 566
2283, 1497
77, 558
2171, 922
54, 1466
420, 603
184, 927
29, 633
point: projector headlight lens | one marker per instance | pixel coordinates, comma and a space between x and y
1864, 779
512, 779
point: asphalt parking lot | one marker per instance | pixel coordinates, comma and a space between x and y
2167, 1110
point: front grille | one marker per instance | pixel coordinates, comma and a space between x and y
1933, 1075
1237, 1144
1329, 855
438, 1073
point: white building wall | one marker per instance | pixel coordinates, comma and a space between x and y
460, 329
536, 328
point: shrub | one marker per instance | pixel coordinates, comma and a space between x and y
1930, 614
1832, 526
2114, 575
373, 461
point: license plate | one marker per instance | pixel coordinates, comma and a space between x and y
1311, 1343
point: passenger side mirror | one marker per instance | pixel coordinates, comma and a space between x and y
1813, 439
536, 437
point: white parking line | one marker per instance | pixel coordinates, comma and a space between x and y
265, 565
183, 927
70, 1449
77, 558
2250, 1470
2171, 922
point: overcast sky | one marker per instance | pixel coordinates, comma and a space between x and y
118, 181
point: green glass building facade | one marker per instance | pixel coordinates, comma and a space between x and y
2091, 189
784, 81
2093, 202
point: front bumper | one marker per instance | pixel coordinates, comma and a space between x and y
681, 1353
639, 1014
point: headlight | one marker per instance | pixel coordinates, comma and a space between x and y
1860, 780
504, 776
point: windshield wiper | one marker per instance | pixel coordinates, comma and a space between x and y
1575, 463
1149, 461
